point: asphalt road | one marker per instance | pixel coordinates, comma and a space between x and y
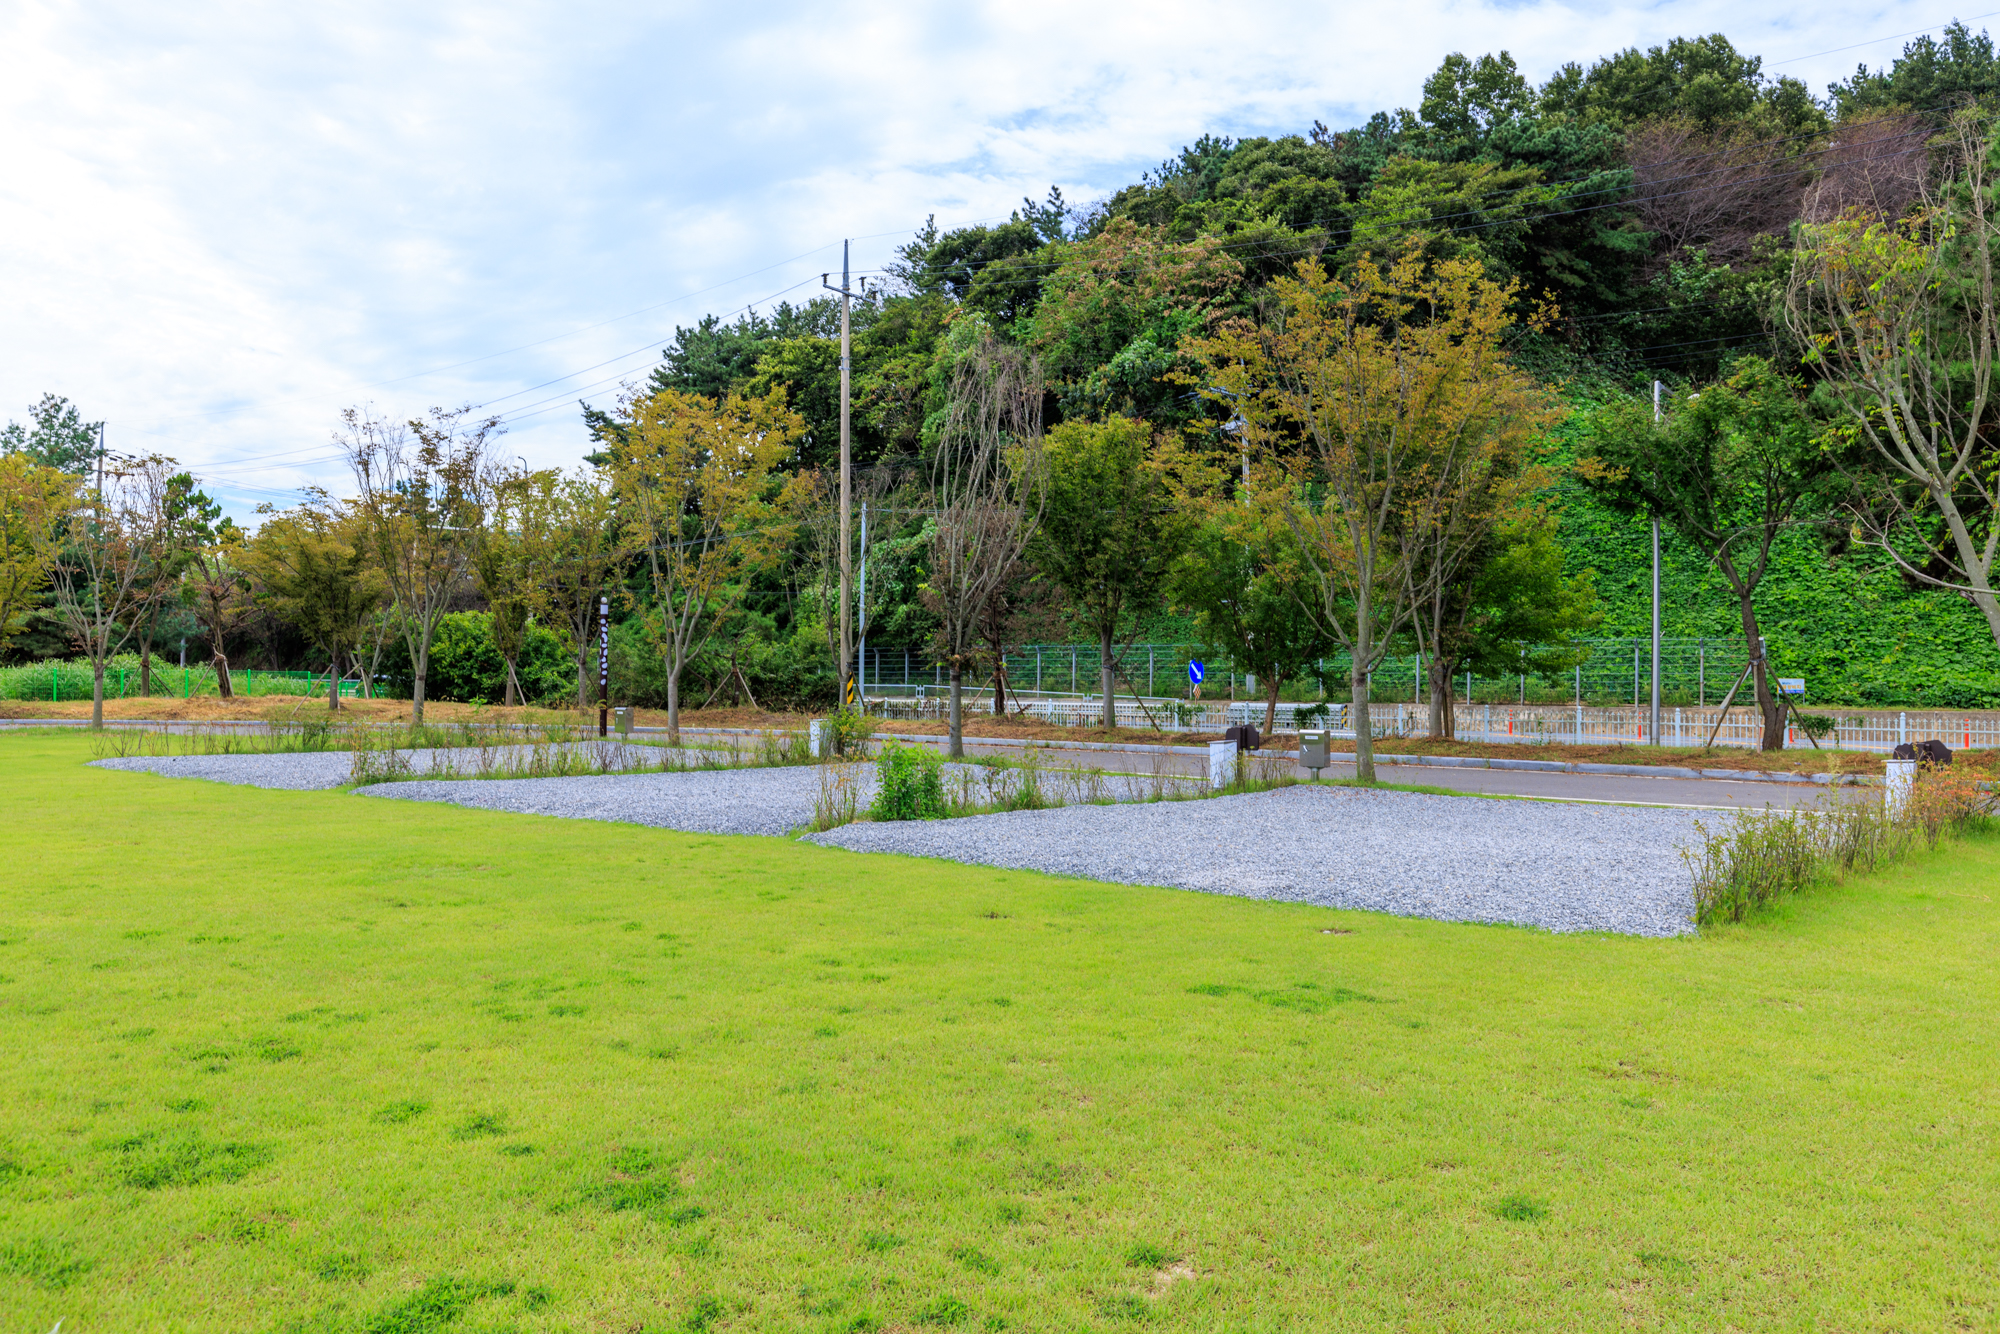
1508, 782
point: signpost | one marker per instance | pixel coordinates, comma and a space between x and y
603, 665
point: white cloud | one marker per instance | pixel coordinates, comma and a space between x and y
221, 223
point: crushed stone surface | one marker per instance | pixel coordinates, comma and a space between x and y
1559, 866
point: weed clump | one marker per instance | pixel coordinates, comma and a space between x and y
1756, 858
909, 784
150, 1163
432, 1307
482, 1124
51, 1264
944, 1311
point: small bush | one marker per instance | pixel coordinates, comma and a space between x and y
851, 731
909, 784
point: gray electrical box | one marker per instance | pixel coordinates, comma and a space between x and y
1313, 750
621, 721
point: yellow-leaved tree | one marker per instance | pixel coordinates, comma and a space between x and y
703, 509
33, 500
1381, 416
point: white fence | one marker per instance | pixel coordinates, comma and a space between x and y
1878, 730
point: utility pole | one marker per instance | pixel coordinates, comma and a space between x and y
846, 480
1655, 727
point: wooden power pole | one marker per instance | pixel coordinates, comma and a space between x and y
847, 697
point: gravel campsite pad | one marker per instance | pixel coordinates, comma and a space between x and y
317, 770
702, 801
1562, 866
706, 801
1565, 867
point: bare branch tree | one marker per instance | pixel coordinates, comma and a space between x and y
1900, 317
1712, 190
1875, 162
101, 554
420, 498
985, 491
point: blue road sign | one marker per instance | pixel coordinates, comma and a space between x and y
1195, 673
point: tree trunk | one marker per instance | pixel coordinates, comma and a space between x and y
1364, 737
420, 666
582, 680
1444, 713
510, 698
146, 669
333, 684
1105, 680
999, 684
957, 709
1271, 705
1767, 703
97, 693
674, 705
221, 661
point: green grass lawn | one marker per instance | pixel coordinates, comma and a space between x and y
306, 1061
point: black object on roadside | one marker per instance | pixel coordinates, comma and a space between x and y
1245, 736
1934, 753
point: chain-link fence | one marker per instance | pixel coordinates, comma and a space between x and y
1616, 671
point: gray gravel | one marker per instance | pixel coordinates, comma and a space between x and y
710, 801
1563, 867
1560, 866
310, 771
707, 801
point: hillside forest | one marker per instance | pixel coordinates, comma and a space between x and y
1409, 390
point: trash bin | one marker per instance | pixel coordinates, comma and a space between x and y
1313, 749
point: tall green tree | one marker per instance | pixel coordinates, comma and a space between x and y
1239, 572
1727, 469
1104, 538
312, 568
56, 436
1510, 609
34, 499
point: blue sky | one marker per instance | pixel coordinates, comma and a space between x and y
220, 223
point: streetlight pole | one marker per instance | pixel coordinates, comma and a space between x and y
1655, 724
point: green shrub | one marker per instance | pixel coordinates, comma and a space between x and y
909, 784
851, 732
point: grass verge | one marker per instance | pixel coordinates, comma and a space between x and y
294, 1061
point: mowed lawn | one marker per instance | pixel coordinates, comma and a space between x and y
306, 1061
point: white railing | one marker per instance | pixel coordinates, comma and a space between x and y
1876, 730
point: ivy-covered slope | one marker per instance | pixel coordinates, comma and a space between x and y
1836, 613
